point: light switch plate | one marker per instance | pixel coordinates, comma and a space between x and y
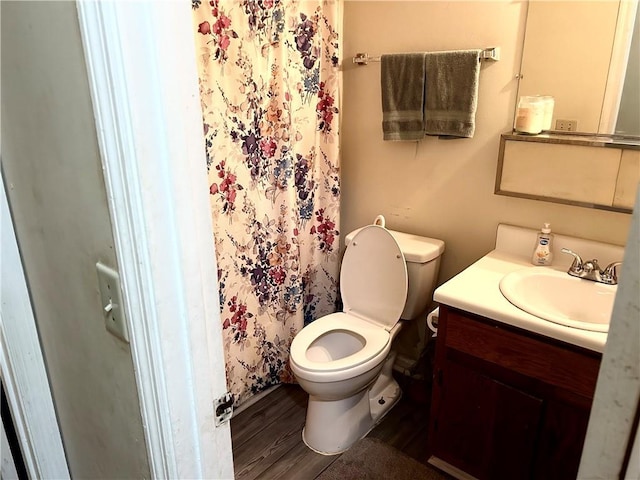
112, 308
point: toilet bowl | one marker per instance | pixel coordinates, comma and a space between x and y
344, 360
339, 356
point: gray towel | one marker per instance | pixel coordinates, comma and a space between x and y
402, 79
451, 93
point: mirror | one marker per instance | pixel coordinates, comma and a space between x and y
585, 54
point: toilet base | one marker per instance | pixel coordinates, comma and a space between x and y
333, 426
385, 392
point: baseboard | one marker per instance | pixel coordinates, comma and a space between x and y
254, 399
450, 469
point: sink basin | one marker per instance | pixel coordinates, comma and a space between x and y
560, 298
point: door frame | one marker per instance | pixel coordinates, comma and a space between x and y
618, 66
144, 85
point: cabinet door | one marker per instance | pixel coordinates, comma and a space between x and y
561, 440
484, 427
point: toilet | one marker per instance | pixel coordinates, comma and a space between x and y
344, 360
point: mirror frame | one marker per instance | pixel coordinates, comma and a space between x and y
585, 140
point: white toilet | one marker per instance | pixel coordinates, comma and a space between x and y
343, 360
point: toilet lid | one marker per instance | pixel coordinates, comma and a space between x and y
373, 277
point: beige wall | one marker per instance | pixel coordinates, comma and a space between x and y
443, 188
52, 169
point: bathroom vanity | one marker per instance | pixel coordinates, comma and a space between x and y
512, 393
507, 403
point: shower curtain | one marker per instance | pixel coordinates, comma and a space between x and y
269, 85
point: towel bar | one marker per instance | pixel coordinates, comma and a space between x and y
492, 53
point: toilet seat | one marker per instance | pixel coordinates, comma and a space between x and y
374, 337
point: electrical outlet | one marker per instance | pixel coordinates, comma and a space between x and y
566, 125
112, 308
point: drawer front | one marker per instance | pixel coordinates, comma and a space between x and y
567, 369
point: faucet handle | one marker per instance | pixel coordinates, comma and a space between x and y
577, 261
610, 273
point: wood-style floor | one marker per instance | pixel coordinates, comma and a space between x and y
267, 436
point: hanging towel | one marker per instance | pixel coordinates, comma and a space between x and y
402, 79
451, 94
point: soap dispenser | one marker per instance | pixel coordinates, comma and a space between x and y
542, 253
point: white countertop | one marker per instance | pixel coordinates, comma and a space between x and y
477, 290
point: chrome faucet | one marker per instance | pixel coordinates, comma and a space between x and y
590, 270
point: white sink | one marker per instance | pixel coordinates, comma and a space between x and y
560, 298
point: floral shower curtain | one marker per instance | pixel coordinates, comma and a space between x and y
269, 86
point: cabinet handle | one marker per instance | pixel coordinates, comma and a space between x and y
439, 377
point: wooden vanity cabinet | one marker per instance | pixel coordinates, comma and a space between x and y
508, 403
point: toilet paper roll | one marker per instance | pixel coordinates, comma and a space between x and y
432, 321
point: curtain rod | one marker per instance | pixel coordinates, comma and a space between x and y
491, 53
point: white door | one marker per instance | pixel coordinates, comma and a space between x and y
141, 63
23, 372
612, 444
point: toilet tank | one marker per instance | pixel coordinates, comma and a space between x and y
422, 255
